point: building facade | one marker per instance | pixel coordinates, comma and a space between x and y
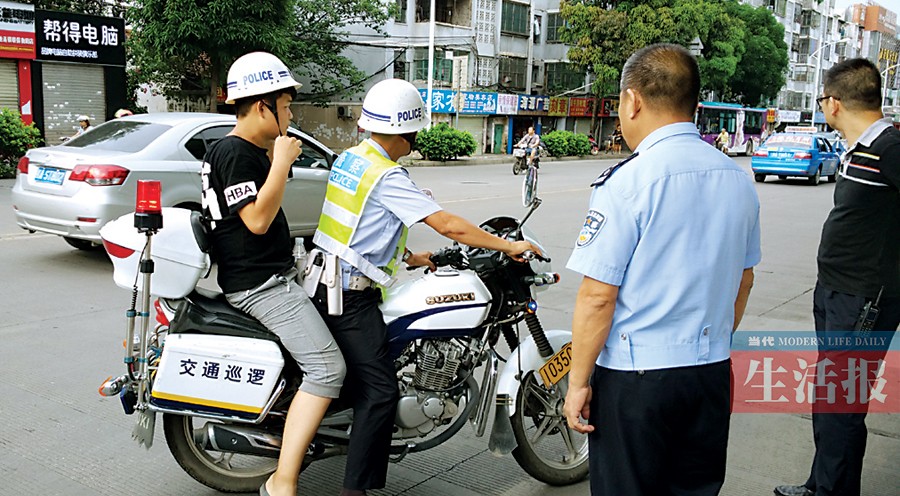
499, 66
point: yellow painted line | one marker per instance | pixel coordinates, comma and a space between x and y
198, 401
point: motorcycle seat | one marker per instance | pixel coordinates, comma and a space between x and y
214, 315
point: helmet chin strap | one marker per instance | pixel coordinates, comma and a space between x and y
274, 113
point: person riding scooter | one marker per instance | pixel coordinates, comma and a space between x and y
531, 142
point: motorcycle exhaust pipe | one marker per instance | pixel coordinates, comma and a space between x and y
254, 441
239, 439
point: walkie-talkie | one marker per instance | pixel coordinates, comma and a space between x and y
865, 324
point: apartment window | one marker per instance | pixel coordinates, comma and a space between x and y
562, 76
514, 18
401, 12
443, 67
457, 12
401, 71
512, 72
554, 22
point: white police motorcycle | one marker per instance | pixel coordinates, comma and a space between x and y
223, 384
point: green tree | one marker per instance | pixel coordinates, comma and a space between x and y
761, 73
176, 43
603, 34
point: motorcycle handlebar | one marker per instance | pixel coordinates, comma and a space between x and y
529, 255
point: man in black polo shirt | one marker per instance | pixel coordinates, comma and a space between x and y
859, 263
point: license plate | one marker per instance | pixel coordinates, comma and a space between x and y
50, 175
557, 366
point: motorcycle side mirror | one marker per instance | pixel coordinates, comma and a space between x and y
427, 192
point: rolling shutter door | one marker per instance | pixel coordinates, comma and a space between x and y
9, 85
71, 90
474, 125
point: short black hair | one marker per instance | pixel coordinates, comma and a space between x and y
666, 76
856, 83
242, 106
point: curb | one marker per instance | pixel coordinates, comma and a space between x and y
501, 159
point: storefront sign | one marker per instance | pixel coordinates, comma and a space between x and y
68, 37
771, 114
559, 106
533, 104
16, 31
442, 101
609, 107
476, 102
507, 104
788, 115
581, 107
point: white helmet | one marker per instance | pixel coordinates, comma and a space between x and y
393, 106
83, 118
257, 73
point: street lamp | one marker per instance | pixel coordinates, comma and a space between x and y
884, 83
815, 91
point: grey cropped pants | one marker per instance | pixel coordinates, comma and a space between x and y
285, 309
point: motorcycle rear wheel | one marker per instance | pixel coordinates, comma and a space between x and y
547, 448
516, 168
225, 472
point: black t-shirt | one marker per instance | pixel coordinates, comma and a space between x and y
860, 248
233, 172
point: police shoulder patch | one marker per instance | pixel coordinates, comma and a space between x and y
592, 225
605, 175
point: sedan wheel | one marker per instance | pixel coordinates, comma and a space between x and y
760, 178
814, 180
83, 244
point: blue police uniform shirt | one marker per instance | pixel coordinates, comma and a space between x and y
674, 229
394, 202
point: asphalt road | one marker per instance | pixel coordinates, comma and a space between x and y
62, 325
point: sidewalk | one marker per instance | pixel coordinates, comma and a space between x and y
415, 159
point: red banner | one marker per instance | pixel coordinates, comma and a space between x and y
581, 107
16, 44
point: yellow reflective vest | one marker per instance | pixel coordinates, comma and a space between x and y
354, 176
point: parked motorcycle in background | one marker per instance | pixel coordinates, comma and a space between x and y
595, 147
223, 387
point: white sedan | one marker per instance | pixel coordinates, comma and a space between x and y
73, 189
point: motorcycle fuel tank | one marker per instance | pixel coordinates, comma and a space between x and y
445, 300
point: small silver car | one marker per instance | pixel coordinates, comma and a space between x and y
73, 189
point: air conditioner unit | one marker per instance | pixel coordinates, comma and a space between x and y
344, 112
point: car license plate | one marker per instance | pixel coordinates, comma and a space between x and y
50, 175
557, 366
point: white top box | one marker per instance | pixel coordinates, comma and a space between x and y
178, 261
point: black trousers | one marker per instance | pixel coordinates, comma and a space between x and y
371, 382
660, 432
840, 438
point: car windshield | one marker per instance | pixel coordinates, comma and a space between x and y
792, 141
120, 136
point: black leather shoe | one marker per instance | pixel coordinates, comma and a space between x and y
793, 491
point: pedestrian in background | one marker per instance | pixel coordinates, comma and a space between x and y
859, 265
666, 250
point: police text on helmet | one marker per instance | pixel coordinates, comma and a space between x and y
258, 77
407, 115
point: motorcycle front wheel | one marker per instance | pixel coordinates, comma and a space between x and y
225, 472
547, 449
